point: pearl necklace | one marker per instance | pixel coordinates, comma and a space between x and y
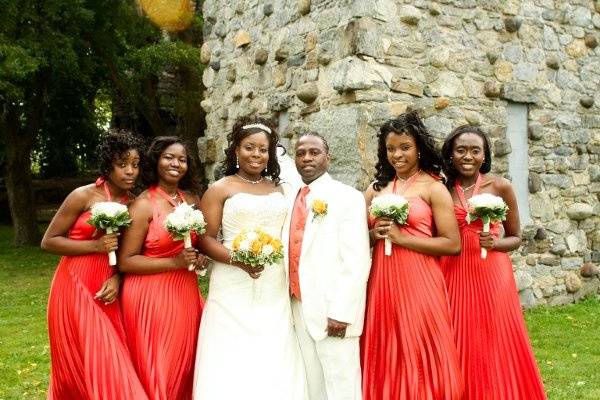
250, 180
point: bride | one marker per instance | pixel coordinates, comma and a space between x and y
247, 348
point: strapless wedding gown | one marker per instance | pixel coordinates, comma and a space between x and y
247, 347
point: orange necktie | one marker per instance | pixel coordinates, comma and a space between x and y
298, 222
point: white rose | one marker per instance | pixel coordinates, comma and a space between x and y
486, 200
252, 236
176, 220
245, 245
109, 208
389, 200
267, 250
196, 217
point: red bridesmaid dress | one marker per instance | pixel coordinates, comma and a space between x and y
89, 356
407, 350
495, 354
162, 315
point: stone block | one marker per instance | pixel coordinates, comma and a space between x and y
590, 41
261, 56
205, 53
534, 182
579, 211
407, 86
553, 62
242, 38
440, 103
586, 101
561, 181
501, 147
522, 93
558, 249
512, 24
304, 6
354, 74
572, 282
409, 15
571, 263
588, 270
577, 48
527, 298
308, 92
447, 84
492, 89
523, 280
268, 9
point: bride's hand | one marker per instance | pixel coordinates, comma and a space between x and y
254, 272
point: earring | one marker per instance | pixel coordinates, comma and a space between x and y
266, 169
419, 155
237, 162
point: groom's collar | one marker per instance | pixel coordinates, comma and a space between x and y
320, 182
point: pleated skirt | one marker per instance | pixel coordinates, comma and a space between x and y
161, 315
407, 351
89, 356
496, 357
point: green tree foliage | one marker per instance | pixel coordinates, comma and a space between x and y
57, 57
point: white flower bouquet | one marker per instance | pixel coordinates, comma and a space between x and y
110, 216
182, 221
487, 207
391, 206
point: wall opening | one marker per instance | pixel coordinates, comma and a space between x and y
518, 158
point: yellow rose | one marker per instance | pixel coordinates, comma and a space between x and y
319, 207
236, 242
276, 245
256, 247
264, 238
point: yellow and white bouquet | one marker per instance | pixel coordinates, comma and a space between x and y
182, 221
391, 206
257, 248
110, 216
487, 207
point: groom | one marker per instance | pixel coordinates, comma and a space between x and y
328, 266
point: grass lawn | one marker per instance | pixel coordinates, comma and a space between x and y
565, 339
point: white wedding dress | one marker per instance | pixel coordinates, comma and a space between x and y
247, 347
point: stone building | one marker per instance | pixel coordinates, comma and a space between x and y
527, 72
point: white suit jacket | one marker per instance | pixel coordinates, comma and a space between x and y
335, 258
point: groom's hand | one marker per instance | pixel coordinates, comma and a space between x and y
336, 328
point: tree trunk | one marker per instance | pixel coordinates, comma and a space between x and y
17, 176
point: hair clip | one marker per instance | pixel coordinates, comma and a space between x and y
262, 127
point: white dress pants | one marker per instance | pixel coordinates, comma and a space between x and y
332, 364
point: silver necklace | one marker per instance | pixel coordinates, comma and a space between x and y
467, 188
249, 180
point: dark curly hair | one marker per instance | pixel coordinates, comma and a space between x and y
157, 147
238, 133
114, 145
448, 146
406, 124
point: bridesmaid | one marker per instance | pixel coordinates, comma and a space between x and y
89, 357
495, 355
407, 347
160, 298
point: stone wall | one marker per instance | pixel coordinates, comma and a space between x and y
343, 67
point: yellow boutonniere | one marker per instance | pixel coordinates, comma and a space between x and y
319, 208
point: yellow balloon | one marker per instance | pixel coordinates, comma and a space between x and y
170, 15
